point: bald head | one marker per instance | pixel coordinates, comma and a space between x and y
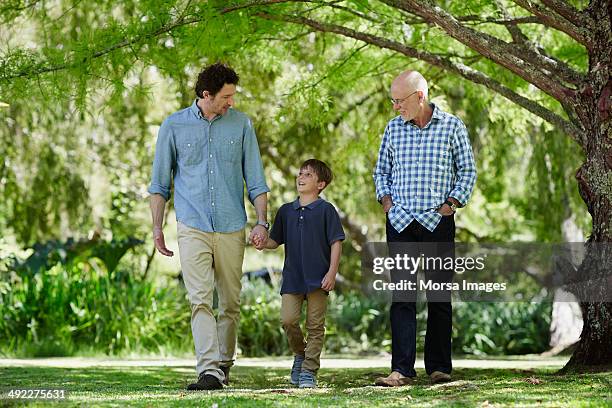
408, 82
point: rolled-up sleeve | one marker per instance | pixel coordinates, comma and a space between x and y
164, 162
252, 165
382, 171
465, 166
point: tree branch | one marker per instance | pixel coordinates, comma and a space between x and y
476, 19
504, 21
514, 29
563, 8
532, 67
459, 69
552, 19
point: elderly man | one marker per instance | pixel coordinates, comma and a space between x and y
424, 173
210, 150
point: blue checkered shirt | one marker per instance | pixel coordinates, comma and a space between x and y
421, 168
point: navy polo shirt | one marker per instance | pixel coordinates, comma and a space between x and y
308, 233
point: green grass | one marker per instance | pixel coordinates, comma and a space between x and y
254, 386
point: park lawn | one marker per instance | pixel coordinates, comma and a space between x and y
255, 386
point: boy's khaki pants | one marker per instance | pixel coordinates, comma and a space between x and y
291, 311
210, 259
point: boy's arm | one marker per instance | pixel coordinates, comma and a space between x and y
329, 280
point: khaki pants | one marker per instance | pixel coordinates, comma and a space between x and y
208, 260
291, 312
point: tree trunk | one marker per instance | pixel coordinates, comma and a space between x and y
594, 351
566, 318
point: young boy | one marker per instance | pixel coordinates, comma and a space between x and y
312, 233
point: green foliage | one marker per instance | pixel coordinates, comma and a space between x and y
260, 333
46, 255
359, 324
501, 328
81, 305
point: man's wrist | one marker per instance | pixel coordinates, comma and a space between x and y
264, 224
452, 205
455, 201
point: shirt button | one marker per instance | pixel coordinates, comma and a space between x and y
211, 155
188, 144
212, 188
301, 217
302, 208
211, 172
213, 204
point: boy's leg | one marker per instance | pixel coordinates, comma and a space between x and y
228, 249
315, 325
291, 311
196, 253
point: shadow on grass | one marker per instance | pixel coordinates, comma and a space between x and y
152, 386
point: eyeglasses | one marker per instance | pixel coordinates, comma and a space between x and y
399, 101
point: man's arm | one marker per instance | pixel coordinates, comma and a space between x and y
158, 205
329, 280
255, 180
161, 180
465, 167
252, 168
382, 173
261, 207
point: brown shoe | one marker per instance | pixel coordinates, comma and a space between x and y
394, 379
439, 377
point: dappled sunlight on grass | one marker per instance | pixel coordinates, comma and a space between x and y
143, 386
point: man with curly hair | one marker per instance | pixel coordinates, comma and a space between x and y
209, 150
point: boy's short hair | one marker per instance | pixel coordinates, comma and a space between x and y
213, 77
321, 169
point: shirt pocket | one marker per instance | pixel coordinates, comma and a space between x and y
230, 149
189, 152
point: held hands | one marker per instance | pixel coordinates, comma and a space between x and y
258, 237
160, 243
329, 281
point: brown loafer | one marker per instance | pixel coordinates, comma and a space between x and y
439, 377
394, 379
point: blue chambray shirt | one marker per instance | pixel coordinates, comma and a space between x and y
210, 162
421, 168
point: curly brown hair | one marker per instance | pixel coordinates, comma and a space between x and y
213, 77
